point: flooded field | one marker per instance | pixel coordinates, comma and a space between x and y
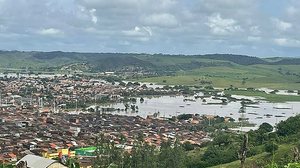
168, 106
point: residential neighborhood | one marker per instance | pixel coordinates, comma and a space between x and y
49, 117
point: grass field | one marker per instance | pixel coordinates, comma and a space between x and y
256, 76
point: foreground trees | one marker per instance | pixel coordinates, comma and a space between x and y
168, 155
226, 147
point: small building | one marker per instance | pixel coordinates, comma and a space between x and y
34, 161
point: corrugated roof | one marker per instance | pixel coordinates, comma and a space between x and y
37, 161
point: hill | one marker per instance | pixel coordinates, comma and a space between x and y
116, 61
220, 70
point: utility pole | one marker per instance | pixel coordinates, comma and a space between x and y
243, 151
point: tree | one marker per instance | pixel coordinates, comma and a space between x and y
122, 83
188, 146
133, 107
126, 106
106, 153
222, 139
289, 126
142, 155
171, 157
265, 127
72, 163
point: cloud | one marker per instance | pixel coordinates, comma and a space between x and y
161, 20
160, 26
255, 30
139, 33
253, 38
291, 10
221, 26
93, 16
282, 25
285, 42
50, 31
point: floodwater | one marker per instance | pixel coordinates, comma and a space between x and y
169, 106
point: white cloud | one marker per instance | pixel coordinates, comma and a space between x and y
50, 31
161, 20
220, 26
139, 33
282, 25
285, 42
93, 16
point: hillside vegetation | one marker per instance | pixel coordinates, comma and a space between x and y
218, 70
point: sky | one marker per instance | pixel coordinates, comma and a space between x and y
261, 28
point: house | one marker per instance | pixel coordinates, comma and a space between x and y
34, 161
11, 157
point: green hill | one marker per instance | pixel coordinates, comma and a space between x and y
18, 59
221, 70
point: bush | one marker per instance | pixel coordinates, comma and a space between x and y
188, 146
271, 147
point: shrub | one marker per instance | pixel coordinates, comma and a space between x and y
270, 147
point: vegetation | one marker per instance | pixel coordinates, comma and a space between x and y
170, 155
263, 148
241, 76
219, 70
6, 166
260, 148
272, 149
268, 97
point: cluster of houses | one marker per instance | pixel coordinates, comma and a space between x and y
32, 122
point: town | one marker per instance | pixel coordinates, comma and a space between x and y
57, 116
